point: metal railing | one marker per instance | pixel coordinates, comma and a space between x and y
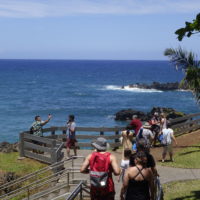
40, 180
78, 191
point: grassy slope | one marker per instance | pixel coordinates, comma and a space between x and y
10, 163
187, 158
184, 190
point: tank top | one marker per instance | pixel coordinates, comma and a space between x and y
97, 163
138, 189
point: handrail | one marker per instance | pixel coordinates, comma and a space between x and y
184, 117
60, 147
37, 173
76, 191
31, 175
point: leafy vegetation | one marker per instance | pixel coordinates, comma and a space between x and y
189, 29
187, 61
182, 190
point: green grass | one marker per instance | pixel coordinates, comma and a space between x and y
184, 190
186, 158
10, 163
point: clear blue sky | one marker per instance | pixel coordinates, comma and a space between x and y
94, 29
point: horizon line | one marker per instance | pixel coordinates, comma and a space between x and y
77, 59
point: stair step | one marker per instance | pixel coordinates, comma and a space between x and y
51, 196
42, 198
77, 181
64, 190
62, 196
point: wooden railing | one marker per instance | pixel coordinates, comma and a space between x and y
54, 137
186, 124
84, 135
40, 148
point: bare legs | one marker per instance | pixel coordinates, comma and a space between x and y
68, 151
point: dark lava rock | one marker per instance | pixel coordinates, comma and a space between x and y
6, 177
127, 114
159, 86
6, 147
170, 113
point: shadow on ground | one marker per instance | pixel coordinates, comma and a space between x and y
194, 195
189, 152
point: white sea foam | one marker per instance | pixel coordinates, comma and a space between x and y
132, 89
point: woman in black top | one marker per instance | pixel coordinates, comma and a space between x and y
138, 180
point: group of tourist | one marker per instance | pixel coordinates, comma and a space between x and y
138, 177
157, 129
137, 170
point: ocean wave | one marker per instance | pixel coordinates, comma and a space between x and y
110, 116
128, 89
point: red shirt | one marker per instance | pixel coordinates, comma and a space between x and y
137, 124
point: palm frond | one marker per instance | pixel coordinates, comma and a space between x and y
181, 58
187, 61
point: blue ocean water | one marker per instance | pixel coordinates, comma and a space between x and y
91, 90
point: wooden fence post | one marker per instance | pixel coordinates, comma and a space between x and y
21, 144
53, 152
53, 136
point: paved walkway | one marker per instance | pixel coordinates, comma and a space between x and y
167, 174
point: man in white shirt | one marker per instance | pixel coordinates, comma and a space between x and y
71, 137
146, 134
167, 142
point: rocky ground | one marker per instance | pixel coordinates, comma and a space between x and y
6, 147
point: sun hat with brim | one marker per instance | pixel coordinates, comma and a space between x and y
100, 144
146, 125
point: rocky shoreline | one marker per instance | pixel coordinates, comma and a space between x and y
158, 86
6, 147
127, 114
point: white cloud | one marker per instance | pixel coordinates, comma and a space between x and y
56, 8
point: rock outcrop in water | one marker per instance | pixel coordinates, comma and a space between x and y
158, 86
127, 114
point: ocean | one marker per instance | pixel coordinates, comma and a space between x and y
89, 89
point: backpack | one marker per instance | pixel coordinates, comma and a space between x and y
31, 130
99, 169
